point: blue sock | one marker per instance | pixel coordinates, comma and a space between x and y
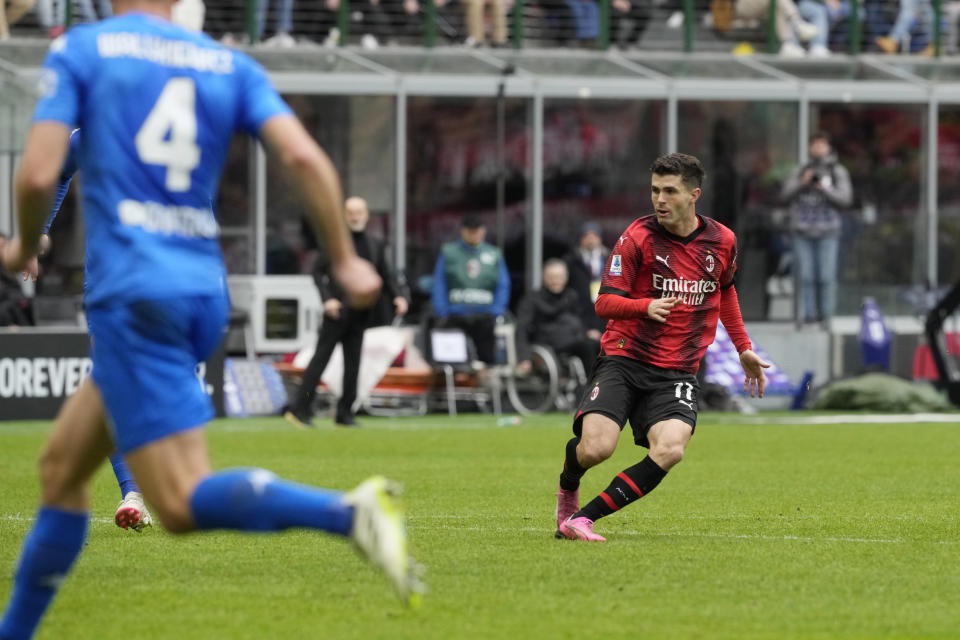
257, 500
48, 553
124, 477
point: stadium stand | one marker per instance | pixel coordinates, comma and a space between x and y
671, 25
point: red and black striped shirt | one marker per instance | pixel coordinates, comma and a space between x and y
650, 262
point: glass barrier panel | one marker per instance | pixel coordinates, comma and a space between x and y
453, 169
747, 149
359, 135
883, 237
948, 196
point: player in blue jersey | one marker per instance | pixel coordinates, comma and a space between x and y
131, 513
157, 106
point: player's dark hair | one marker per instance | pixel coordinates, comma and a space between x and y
686, 166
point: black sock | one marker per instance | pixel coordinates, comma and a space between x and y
572, 471
629, 485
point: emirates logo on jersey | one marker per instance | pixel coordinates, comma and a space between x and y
690, 292
711, 263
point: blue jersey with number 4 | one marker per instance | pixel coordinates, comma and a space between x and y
157, 106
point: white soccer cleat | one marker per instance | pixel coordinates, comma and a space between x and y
380, 533
132, 513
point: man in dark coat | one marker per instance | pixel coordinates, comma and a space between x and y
550, 316
343, 324
585, 264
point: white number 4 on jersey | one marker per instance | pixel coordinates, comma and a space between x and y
175, 113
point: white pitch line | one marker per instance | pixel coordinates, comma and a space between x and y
673, 534
16, 517
699, 534
856, 418
681, 516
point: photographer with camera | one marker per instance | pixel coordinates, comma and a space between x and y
817, 192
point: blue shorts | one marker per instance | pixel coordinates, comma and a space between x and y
145, 356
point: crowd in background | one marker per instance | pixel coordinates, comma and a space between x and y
804, 27
577, 194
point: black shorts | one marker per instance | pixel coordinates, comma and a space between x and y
626, 389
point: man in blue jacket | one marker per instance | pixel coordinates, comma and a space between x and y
471, 286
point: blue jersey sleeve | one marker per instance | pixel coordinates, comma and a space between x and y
260, 101
61, 81
66, 175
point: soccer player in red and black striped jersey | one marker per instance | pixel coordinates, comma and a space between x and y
667, 281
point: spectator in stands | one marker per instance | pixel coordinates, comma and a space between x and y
284, 17
344, 325
476, 31
224, 22
551, 317
951, 15
471, 286
15, 308
912, 13
325, 22
823, 14
52, 16
89, 13
10, 12
406, 19
817, 192
586, 21
569, 22
628, 21
791, 27
585, 264
371, 19
558, 19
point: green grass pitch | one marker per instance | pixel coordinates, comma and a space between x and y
764, 531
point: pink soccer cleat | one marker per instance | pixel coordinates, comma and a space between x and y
568, 503
132, 513
578, 529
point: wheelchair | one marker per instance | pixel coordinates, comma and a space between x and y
555, 381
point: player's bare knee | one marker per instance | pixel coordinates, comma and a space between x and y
593, 451
668, 454
55, 467
598, 439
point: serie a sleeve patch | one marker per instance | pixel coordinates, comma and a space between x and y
616, 265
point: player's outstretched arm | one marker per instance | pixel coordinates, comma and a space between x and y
754, 381
47, 145
319, 185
